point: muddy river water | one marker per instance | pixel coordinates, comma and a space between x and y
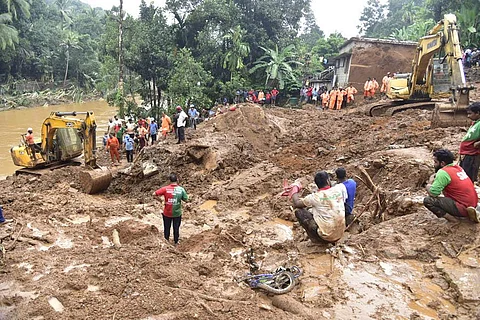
14, 123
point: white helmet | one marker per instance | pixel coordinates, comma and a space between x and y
29, 129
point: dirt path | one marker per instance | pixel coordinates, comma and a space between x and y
63, 264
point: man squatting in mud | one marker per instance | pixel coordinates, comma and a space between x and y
460, 198
326, 221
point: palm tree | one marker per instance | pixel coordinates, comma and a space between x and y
238, 50
70, 41
8, 34
64, 12
18, 5
278, 65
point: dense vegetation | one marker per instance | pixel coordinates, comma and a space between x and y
192, 50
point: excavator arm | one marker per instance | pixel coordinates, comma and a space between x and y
444, 36
417, 89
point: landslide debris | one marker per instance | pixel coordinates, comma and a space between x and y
61, 261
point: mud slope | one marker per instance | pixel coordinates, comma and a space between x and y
61, 261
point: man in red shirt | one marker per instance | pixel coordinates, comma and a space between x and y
274, 96
173, 194
470, 145
460, 198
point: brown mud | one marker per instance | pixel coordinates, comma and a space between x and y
61, 261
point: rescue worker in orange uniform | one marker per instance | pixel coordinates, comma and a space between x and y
333, 99
324, 97
385, 82
351, 92
375, 86
367, 89
340, 92
112, 146
166, 125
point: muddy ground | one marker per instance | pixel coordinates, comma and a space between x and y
60, 261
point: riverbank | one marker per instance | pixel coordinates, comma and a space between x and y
47, 97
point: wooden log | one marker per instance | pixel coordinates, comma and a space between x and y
95, 181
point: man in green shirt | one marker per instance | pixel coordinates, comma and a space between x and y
173, 194
460, 198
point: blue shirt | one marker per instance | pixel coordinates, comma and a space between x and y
128, 141
351, 187
193, 113
153, 128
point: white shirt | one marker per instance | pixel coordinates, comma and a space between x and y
328, 209
181, 119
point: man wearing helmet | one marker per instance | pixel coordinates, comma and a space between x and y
31, 143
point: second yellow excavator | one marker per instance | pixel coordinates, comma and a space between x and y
433, 78
64, 138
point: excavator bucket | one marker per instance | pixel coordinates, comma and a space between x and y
453, 115
95, 180
448, 115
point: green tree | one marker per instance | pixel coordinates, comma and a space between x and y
189, 81
15, 6
70, 41
237, 50
8, 34
372, 17
278, 65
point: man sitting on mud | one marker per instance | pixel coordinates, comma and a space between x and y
326, 221
460, 198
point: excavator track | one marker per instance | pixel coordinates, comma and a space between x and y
46, 169
390, 108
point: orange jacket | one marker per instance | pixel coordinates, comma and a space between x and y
166, 123
324, 98
351, 91
368, 85
113, 143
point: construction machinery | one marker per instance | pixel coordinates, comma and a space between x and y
64, 138
434, 83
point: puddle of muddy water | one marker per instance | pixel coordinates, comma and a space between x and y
395, 287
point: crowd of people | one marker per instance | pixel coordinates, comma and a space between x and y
267, 97
334, 99
132, 136
471, 58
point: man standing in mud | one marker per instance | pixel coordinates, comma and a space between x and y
460, 198
173, 194
470, 145
351, 187
326, 220
181, 122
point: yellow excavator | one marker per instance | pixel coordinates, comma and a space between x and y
64, 138
433, 78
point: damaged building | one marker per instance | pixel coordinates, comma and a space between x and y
360, 58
